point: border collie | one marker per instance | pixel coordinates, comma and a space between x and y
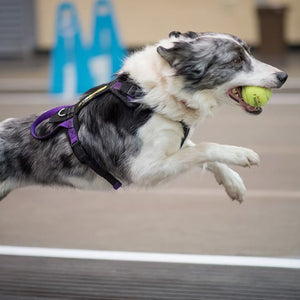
147, 140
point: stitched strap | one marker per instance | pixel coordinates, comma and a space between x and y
102, 89
84, 158
67, 117
46, 115
186, 131
131, 90
63, 114
77, 148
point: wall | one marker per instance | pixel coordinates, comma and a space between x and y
292, 21
146, 21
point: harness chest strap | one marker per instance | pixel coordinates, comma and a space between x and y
186, 131
67, 117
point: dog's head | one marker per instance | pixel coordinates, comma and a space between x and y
220, 63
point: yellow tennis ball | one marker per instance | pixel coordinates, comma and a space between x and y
256, 96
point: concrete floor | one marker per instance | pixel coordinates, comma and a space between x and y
191, 214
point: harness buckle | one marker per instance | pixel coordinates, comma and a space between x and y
135, 91
61, 114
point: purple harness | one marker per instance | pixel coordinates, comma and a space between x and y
66, 124
67, 117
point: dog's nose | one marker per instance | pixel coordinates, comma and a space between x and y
282, 77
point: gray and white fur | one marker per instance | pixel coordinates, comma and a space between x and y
185, 78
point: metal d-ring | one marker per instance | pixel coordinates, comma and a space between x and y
60, 113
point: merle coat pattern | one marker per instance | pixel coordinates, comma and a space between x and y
184, 79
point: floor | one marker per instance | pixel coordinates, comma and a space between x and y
190, 214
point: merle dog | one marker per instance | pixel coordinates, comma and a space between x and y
146, 140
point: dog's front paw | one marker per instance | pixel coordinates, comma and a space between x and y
232, 182
243, 157
251, 157
231, 155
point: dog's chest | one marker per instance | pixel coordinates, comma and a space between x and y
160, 137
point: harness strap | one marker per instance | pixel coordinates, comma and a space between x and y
84, 158
77, 148
67, 117
132, 91
186, 131
46, 115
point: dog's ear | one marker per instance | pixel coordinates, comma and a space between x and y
176, 54
174, 34
167, 54
191, 34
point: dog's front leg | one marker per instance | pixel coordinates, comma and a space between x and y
210, 152
154, 166
231, 180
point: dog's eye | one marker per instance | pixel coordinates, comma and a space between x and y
237, 60
198, 72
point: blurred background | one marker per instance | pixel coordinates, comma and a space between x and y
190, 214
29, 31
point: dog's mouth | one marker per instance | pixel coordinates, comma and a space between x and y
236, 95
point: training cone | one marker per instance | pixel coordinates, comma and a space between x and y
69, 73
106, 51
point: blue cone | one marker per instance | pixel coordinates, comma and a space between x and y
69, 73
107, 51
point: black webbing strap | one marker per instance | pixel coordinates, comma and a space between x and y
67, 116
186, 131
79, 150
71, 113
84, 158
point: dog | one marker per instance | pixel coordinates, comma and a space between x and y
146, 141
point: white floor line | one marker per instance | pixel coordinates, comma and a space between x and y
267, 262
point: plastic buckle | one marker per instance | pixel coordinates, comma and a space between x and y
135, 91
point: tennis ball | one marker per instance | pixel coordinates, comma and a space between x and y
256, 96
